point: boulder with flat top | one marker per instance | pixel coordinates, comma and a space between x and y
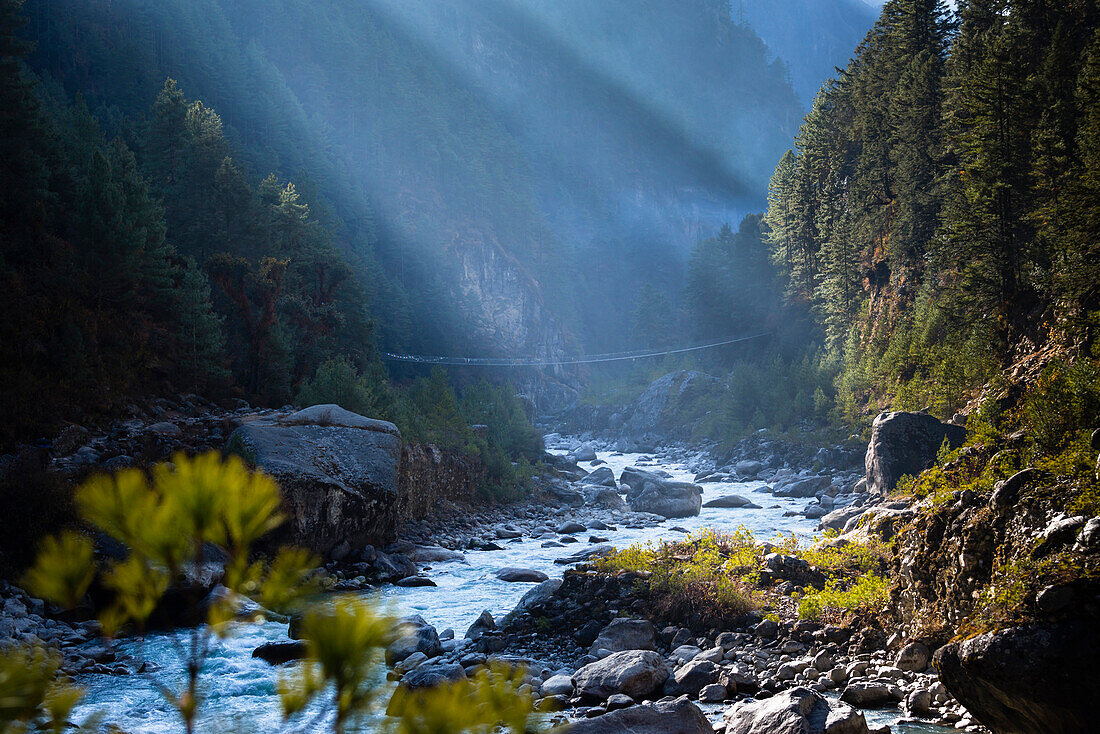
337, 471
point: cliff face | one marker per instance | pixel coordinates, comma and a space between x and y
428, 476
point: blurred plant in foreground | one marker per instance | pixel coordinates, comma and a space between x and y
198, 518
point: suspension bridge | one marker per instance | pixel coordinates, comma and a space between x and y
581, 359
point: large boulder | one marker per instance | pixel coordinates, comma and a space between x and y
626, 634
414, 635
732, 501
672, 404
668, 499
604, 497
795, 711
521, 575
337, 471
534, 599
633, 479
637, 673
679, 716
691, 677
602, 476
1027, 680
905, 443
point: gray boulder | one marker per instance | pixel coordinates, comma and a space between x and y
429, 676
434, 554
668, 499
637, 673
584, 452
571, 527
337, 471
795, 711
557, 685
626, 634
905, 443
748, 468
802, 488
534, 598
484, 623
838, 518
913, 657
692, 677
596, 551
602, 476
732, 501
415, 635
634, 478
867, 694
604, 497
521, 575
1027, 680
679, 716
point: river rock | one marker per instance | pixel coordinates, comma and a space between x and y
634, 478
484, 623
415, 635
584, 452
866, 694
604, 497
691, 677
626, 634
637, 673
586, 555
521, 575
558, 685
748, 468
669, 499
913, 657
796, 711
732, 500
571, 527
429, 676
1037, 679
413, 582
534, 598
278, 653
337, 471
602, 476
679, 716
802, 488
838, 518
434, 554
905, 443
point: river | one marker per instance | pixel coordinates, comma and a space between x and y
240, 694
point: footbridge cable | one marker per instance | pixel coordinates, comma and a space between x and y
543, 362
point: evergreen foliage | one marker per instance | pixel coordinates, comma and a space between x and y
937, 211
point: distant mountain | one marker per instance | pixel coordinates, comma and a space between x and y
812, 36
511, 171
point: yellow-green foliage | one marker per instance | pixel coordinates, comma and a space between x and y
33, 697
478, 705
165, 519
840, 598
719, 573
345, 639
706, 573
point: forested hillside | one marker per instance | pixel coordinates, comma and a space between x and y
938, 213
503, 175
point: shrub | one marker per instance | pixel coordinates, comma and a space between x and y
840, 598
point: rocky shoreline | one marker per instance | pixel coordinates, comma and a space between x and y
589, 643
